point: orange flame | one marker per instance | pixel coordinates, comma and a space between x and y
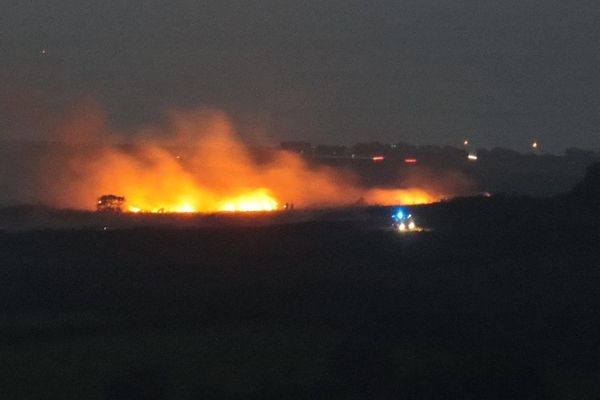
257, 200
203, 167
388, 197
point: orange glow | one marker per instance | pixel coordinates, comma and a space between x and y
388, 197
257, 200
410, 161
198, 166
184, 208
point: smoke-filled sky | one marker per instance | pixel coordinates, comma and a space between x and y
331, 71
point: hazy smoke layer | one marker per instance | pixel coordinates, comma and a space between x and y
195, 163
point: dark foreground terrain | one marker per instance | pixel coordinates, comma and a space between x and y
499, 299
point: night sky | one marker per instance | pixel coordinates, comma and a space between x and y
338, 71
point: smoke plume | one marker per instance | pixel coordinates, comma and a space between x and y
195, 162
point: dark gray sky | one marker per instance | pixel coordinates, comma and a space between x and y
330, 71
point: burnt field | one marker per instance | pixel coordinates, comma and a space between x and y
497, 299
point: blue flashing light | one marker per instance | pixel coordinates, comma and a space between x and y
399, 215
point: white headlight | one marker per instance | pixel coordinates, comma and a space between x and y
411, 225
402, 226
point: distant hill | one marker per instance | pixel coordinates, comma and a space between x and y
588, 189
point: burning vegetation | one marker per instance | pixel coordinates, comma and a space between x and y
196, 164
110, 202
